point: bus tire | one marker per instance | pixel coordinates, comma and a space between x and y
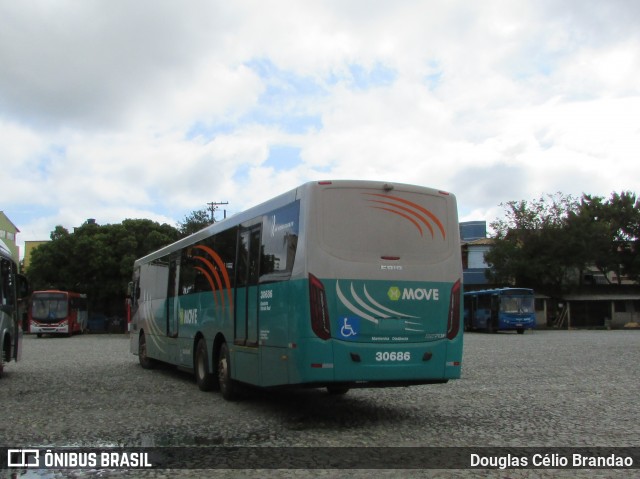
337, 390
228, 387
491, 328
520, 330
2, 353
145, 361
204, 378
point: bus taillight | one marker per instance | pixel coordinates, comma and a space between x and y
319, 312
453, 325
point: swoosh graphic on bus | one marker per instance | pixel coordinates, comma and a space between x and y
151, 324
216, 275
380, 312
413, 212
216, 285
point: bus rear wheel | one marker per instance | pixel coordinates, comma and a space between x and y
228, 387
337, 390
145, 361
204, 378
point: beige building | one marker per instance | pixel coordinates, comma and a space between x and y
29, 246
8, 232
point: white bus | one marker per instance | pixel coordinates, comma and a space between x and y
13, 288
335, 284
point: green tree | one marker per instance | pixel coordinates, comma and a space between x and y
532, 247
551, 242
622, 215
194, 222
97, 260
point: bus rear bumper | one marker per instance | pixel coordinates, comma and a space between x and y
379, 365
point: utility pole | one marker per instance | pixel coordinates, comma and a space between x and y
213, 206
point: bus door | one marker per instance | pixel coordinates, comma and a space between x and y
470, 308
494, 318
246, 307
245, 360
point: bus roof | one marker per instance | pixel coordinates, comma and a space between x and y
58, 291
274, 203
5, 251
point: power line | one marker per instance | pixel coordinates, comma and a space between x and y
213, 207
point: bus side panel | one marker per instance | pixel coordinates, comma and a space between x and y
280, 305
312, 361
482, 318
152, 310
245, 364
154, 325
453, 364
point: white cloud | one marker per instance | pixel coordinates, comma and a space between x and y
116, 109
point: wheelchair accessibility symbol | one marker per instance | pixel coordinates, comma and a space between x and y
350, 328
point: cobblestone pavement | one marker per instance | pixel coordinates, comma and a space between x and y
540, 389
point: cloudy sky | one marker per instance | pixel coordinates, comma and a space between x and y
115, 109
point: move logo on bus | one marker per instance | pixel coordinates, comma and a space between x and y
394, 293
417, 215
188, 316
413, 294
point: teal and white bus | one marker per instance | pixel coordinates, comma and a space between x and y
334, 284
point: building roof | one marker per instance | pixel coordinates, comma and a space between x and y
479, 242
9, 221
613, 296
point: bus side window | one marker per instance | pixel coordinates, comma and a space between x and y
225, 245
3, 280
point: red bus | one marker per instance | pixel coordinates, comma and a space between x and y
57, 312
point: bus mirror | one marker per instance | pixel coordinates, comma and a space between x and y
130, 290
22, 286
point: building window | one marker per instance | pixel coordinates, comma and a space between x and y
620, 306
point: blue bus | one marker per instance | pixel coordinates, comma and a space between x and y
501, 309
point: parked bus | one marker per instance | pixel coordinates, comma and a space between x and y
58, 312
13, 289
502, 309
335, 284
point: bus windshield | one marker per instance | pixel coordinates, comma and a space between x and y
515, 304
50, 307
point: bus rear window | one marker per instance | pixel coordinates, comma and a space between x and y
368, 224
280, 230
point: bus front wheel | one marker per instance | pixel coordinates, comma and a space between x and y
228, 387
204, 378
